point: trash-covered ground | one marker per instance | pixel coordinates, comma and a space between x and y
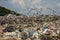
41, 27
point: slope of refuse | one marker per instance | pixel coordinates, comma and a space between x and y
14, 27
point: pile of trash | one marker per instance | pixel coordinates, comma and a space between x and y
30, 28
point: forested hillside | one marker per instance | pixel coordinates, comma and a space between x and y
4, 11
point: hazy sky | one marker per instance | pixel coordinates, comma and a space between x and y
20, 5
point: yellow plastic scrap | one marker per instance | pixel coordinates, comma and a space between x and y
51, 35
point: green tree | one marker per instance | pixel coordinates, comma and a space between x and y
4, 11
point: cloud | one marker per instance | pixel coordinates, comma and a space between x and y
58, 5
27, 3
36, 3
14, 1
18, 2
21, 2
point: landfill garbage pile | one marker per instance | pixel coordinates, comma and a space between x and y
41, 27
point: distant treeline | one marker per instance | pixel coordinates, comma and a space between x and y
5, 11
